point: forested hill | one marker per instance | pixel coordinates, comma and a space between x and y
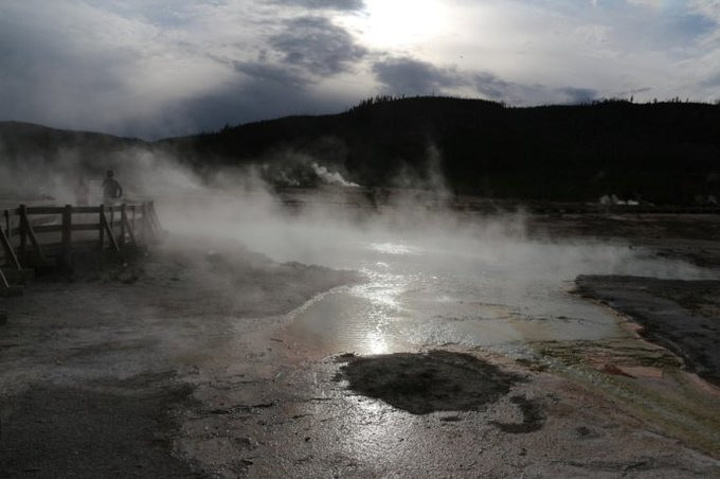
29, 146
667, 152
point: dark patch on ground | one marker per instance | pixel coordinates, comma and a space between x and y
533, 417
683, 316
257, 285
104, 429
428, 382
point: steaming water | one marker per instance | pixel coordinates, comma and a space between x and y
420, 290
431, 279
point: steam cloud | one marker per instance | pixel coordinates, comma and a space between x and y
236, 204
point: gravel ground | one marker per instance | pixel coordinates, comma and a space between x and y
181, 365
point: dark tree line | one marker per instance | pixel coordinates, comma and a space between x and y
663, 152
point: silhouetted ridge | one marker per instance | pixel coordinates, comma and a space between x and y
21, 143
666, 152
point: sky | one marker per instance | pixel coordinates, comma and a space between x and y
160, 68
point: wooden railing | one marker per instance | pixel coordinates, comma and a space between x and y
42, 235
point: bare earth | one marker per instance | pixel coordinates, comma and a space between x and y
180, 365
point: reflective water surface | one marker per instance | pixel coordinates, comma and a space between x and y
495, 293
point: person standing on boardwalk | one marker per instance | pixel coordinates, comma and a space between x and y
112, 191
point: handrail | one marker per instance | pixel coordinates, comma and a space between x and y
29, 234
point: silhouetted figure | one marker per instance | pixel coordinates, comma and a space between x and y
82, 192
112, 191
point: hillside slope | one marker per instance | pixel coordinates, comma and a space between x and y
663, 152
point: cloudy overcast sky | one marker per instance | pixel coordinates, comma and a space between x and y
155, 68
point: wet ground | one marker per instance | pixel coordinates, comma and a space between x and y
186, 364
681, 316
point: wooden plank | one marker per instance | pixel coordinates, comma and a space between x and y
101, 230
86, 209
133, 208
44, 210
86, 227
129, 230
8, 227
6, 217
104, 225
32, 236
155, 222
9, 252
36, 221
59, 228
47, 229
67, 235
154, 217
143, 223
67, 226
23, 231
57, 210
111, 223
43, 220
123, 222
3, 280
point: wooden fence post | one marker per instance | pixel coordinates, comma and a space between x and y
67, 227
23, 232
28, 233
157, 227
104, 225
101, 234
144, 222
8, 228
150, 224
123, 220
128, 229
67, 235
9, 252
3, 281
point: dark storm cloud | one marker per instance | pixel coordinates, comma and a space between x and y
317, 45
146, 67
274, 75
129, 76
495, 88
408, 76
254, 99
343, 5
491, 86
42, 73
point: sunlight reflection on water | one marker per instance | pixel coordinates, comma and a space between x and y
498, 295
394, 248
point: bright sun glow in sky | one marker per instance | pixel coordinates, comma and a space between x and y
402, 23
154, 68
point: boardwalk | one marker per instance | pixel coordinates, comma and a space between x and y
43, 236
